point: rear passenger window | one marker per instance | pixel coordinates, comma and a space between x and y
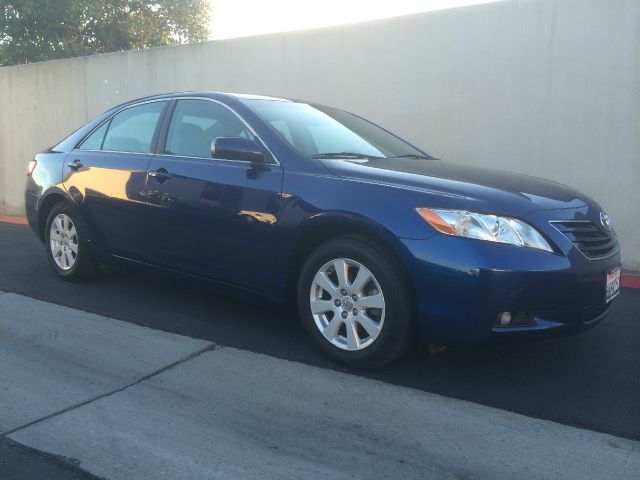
94, 141
197, 123
132, 129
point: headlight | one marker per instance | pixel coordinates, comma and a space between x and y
491, 228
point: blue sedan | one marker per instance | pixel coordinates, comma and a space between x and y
375, 242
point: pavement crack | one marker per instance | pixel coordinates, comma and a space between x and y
208, 348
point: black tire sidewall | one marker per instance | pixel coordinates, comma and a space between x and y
396, 332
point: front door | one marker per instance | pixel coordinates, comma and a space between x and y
208, 216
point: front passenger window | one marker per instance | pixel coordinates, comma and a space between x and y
132, 129
197, 123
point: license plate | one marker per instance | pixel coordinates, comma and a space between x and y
612, 287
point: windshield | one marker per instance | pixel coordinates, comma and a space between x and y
324, 132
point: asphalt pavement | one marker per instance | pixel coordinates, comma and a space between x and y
590, 381
123, 401
18, 462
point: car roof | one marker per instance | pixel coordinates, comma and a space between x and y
210, 94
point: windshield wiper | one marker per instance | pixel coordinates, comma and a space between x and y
411, 155
342, 155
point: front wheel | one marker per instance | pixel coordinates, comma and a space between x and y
67, 250
355, 302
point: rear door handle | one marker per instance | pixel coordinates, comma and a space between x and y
75, 165
161, 174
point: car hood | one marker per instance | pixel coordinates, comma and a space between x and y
470, 188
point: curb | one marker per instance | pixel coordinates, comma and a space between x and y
630, 281
626, 281
13, 219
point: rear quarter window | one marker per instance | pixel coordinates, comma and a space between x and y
94, 141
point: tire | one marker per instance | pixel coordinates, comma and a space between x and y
66, 244
385, 299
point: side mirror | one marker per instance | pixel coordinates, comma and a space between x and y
237, 148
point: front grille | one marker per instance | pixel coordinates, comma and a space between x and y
592, 241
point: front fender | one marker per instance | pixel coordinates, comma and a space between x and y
317, 207
387, 208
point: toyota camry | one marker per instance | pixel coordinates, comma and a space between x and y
376, 243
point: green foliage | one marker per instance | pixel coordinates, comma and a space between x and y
38, 30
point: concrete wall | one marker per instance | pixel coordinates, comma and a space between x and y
544, 87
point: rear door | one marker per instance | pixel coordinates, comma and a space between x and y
208, 216
106, 175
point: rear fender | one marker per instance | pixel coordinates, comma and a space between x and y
51, 197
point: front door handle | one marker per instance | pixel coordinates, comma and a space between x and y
75, 165
161, 174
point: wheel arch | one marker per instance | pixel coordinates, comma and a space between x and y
328, 228
48, 201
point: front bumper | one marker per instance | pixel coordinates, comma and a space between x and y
462, 285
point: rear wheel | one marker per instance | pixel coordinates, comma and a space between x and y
67, 249
355, 303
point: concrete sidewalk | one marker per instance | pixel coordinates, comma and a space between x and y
130, 402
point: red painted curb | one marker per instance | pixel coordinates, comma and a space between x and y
626, 281
630, 281
14, 220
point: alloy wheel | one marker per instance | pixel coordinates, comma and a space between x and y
63, 242
347, 304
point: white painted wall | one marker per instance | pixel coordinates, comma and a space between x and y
545, 87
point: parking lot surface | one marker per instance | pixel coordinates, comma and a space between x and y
18, 462
126, 402
591, 381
